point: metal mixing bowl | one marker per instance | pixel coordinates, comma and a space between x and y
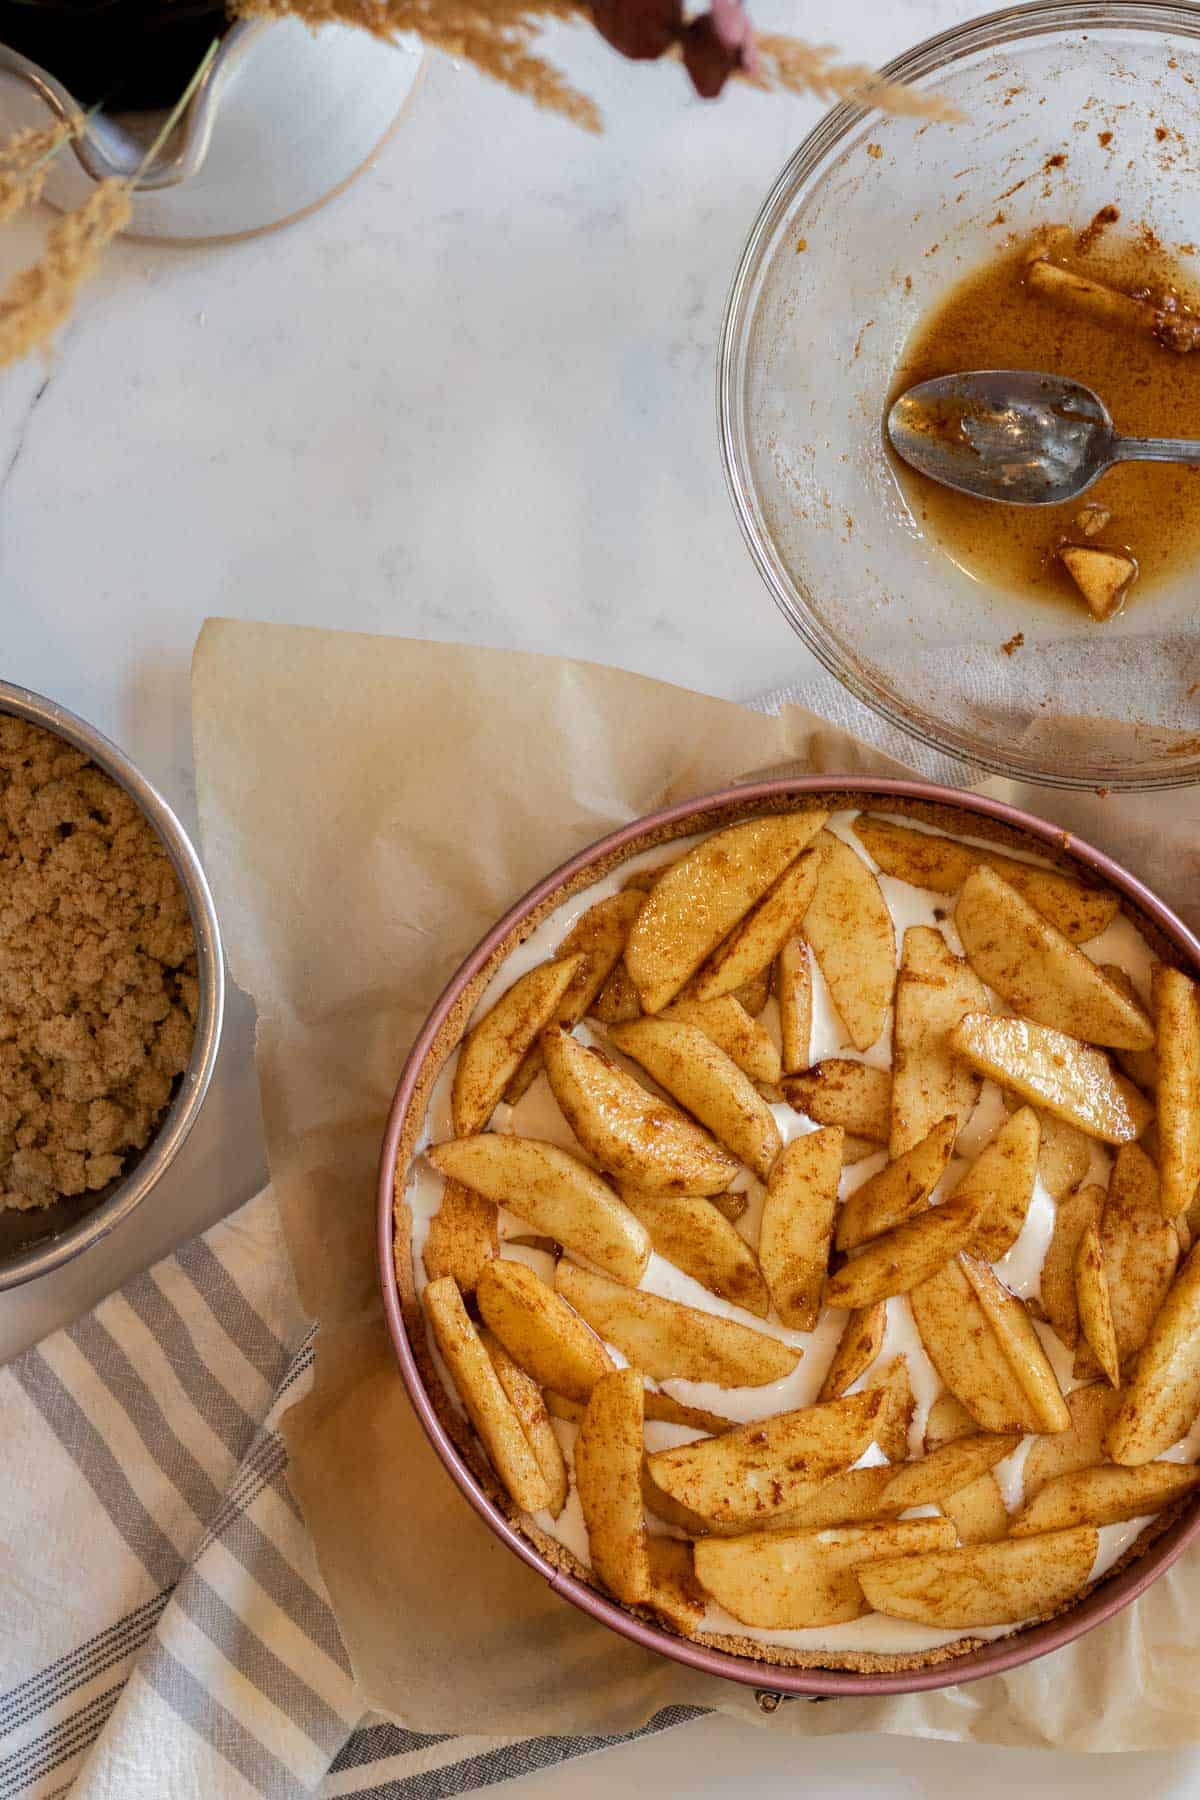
33, 1243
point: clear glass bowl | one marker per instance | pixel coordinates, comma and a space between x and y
872, 220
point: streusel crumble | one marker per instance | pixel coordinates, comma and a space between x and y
98, 981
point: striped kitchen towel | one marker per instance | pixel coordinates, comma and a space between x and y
166, 1630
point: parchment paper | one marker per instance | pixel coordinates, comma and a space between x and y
369, 806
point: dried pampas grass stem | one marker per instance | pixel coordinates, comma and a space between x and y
24, 164
812, 69
38, 301
497, 36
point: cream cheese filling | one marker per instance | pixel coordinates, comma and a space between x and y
537, 1115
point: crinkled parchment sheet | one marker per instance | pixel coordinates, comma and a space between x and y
369, 806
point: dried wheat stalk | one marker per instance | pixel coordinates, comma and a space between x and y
24, 164
495, 35
811, 69
38, 301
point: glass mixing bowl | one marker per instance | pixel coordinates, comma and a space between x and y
1066, 108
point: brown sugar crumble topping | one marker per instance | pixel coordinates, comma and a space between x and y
98, 982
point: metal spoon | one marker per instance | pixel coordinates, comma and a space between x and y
1012, 434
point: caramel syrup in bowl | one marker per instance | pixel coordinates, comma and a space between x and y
990, 321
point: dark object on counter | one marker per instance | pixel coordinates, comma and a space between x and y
714, 46
127, 55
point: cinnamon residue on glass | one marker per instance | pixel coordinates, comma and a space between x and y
1090, 235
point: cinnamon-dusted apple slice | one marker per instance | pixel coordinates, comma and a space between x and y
1019, 1343
608, 1460
525, 1397
964, 1349
1081, 1446
655, 1405
676, 1412
731, 1028
708, 1083
1072, 1216
907, 1255
943, 864
849, 929
1064, 1154
488, 1406
1139, 1247
755, 941
1039, 971
667, 1341
698, 1239
844, 1499
1177, 1047
598, 938
699, 899
617, 1000
1103, 577
857, 1149
894, 1382
978, 1511
1163, 1398
1189, 1222
859, 1345
1006, 1168
1063, 1158
899, 1191
675, 1594
634, 1134
540, 1331
852, 1498
793, 993
1141, 1066
746, 1476
1050, 1069
1095, 1309
983, 1584
796, 1232
672, 1513
846, 1093
463, 1237
781, 1581
945, 1471
946, 1420
1105, 1495
554, 1192
934, 991
492, 1050
754, 994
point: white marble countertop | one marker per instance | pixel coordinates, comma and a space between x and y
471, 399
